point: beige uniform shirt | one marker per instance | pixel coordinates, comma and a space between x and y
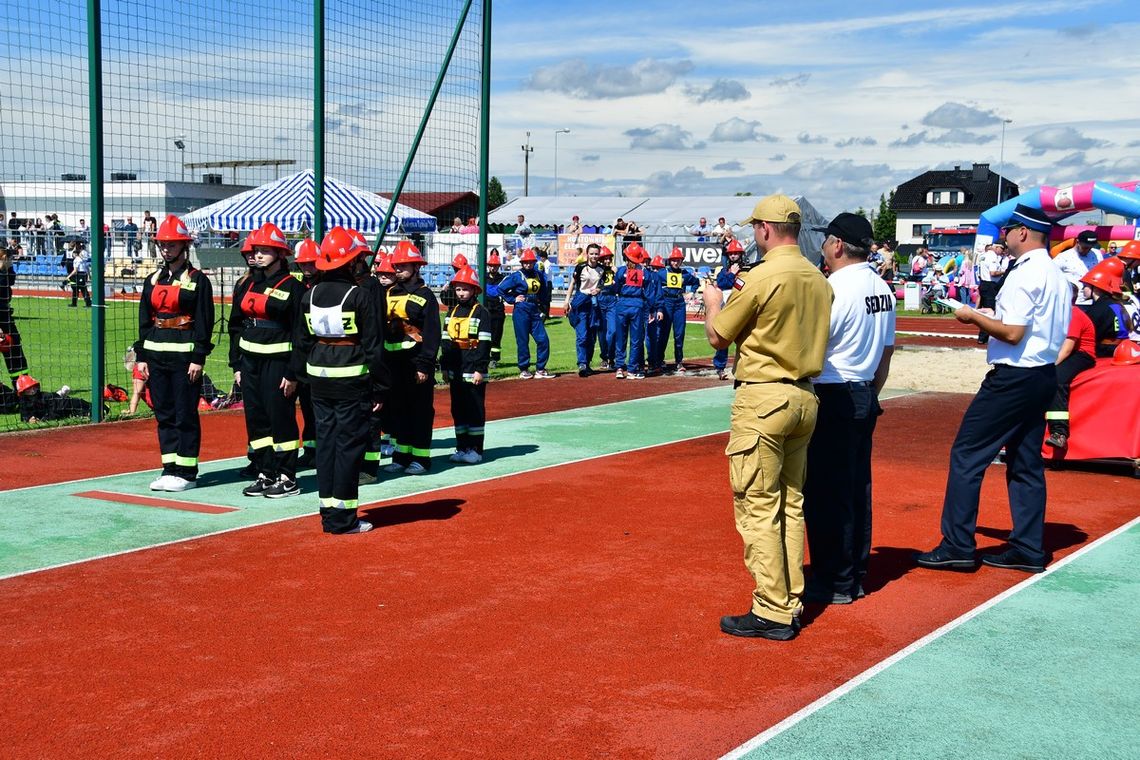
778, 315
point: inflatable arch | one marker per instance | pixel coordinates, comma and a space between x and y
1061, 202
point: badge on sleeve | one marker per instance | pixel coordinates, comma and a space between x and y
738, 284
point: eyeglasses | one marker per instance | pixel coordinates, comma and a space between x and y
1010, 227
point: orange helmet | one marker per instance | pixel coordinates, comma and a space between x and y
493, 260
406, 252
384, 265
467, 276
1105, 276
657, 262
676, 255
1127, 352
172, 228
340, 247
528, 255
605, 253
26, 382
734, 246
1130, 251
459, 262
271, 236
307, 252
635, 253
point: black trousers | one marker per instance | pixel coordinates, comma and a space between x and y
270, 416
468, 410
370, 460
1008, 410
15, 359
837, 492
1058, 415
496, 319
175, 401
79, 288
309, 423
342, 433
413, 415
987, 299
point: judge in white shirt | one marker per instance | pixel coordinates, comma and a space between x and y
1078, 260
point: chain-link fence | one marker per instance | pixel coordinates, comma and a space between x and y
202, 100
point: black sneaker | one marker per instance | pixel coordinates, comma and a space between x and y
258, 487
1012, 559
284, 486
822, 595
751, 625
583, 370
940, 559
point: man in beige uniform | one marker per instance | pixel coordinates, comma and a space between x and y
778, 315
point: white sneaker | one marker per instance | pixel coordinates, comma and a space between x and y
393, 467
415, 468
176, 483
472, 457
362, 526
64, 390
458, 456
159, 483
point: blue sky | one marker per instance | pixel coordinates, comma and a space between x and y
837, 101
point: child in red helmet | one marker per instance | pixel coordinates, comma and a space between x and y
37, 406
496, 312
464, 356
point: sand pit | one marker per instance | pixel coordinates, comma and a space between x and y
949, 370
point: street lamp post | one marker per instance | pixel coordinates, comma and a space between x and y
1001, 156
563, 131
180, 143
527, 150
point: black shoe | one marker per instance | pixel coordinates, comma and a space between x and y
283, 487
750, 625
1057, 440
821, 595
365, 479
1012, 559
859, 592
249, 471
258, 487
940, 559
583, 370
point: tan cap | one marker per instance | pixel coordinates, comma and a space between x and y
774, 208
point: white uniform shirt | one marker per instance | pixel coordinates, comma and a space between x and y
1037, 295
862, 325
1075, 266
988, 262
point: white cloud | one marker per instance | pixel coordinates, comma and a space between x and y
808, 139
670, 183
778, 157
949, 137
1060, 138
577, 78
661, 137
957, 115
728, 166
856, 142
739, 130
799, 80
591, 158
720, 91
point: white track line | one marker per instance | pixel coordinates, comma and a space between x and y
879, 667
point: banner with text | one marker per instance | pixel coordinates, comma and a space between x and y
570, 246
700, 254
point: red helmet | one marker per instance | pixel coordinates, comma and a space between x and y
528, 255
635, 253
676, 255
307, 252
657, 262
459, 262
384, 265
25, 382
5, 343
1130, 251
494, 261
1106, 276
734, 246
247, 244
467, 276
271, 236
605, 253
1127, 352
172, 228
340, 247
406, 252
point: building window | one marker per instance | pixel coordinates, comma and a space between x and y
953, 197
936, 197
918, 230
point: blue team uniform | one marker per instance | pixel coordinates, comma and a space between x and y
585, 316
607, 302
637, 289
674, 283
527, 316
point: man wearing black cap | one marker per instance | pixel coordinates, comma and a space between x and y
1026, 330
861, 337
1078, 260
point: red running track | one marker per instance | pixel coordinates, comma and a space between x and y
571, 612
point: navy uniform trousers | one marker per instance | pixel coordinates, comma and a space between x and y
1008, 410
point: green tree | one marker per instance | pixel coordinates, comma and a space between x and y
885, 221
861, 212
495, 195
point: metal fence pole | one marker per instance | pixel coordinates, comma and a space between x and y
484, 146
95, 101
318, 120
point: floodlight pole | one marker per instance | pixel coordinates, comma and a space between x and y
95, 102
484, 147
318, 120
1001, 156
563, 131
527, 150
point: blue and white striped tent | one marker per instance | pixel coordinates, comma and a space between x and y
288, 203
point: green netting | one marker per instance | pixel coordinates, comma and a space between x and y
204, 99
